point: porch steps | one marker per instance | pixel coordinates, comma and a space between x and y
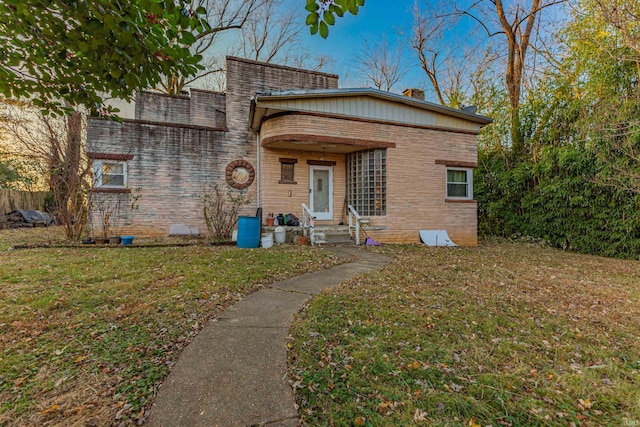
332, 235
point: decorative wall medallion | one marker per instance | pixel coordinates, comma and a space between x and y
240, 174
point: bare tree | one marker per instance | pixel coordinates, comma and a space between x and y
426, 40
382, 65
436, 55
318, 62
223, 17
57, 144
262, 30
270, 32
452, 62
216, 79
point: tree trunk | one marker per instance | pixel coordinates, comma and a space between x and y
518, 41
66, 177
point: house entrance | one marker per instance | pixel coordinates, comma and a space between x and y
321, 192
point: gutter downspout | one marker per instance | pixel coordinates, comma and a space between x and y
259, 171
258, 154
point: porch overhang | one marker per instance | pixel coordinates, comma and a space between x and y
348, 120
315, 132
325, 143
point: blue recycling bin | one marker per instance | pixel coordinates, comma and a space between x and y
248, 232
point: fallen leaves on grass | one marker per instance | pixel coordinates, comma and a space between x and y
83, 343
584, 404
502, 334
420, 415
52, 408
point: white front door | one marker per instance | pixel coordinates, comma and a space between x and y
321, 192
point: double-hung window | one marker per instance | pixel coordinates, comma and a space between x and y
459, 183
109, 174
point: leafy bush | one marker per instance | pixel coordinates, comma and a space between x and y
561, 199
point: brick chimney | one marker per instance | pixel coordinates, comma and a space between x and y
414, 93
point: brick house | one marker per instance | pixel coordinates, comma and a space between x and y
290, 137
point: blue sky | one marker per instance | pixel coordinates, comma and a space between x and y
376, 18
346, 37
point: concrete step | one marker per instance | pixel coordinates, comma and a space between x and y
333, 236
332, 228
338, 238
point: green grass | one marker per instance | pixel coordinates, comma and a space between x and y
88, 334
501, 335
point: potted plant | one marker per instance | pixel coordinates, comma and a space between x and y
302, 240
299, 238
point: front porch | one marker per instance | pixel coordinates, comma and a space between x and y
325, 182
323, 172
289, 179
388, 156
318, 159
332, 234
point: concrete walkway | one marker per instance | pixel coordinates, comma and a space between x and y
234, 373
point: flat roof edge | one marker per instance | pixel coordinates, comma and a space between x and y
282, 67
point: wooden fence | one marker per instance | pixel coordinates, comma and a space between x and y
11, 200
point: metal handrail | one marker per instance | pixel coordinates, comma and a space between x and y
354, 223
308, 227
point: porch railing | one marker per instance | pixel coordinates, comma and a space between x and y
308, 224
355, 223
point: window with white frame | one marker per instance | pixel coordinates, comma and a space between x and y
459, 183
109, 174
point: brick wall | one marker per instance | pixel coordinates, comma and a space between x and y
208, 108
416, 184
275, 196
245, 78
200, 108
157, 107
416, 188
171, 166
173, 163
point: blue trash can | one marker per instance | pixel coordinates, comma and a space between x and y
248, 232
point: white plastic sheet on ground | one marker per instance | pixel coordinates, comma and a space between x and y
436, 238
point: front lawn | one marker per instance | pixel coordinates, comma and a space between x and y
501, 335
88, 334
